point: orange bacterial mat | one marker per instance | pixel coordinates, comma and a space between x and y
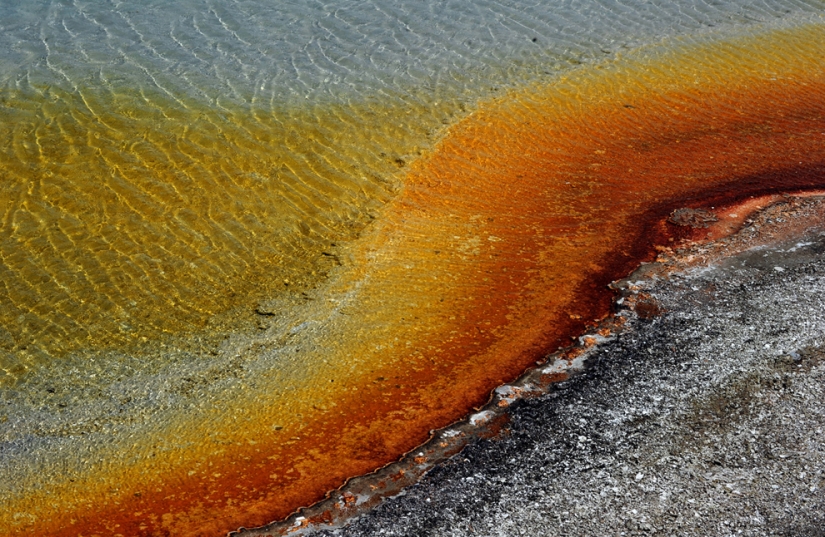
492, 250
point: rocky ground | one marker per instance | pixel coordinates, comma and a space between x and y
705, 419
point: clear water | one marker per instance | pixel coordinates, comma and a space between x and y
266, 54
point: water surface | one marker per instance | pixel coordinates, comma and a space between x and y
249, 251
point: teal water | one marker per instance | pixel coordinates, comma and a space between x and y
265, 53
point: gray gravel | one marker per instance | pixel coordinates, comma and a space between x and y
706, 420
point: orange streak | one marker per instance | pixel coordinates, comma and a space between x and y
496, 252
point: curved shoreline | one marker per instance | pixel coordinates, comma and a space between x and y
744, 226
497, 249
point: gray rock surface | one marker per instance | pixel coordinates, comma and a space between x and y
705, 420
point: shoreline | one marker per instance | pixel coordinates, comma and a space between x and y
761, 218
221, 302
497, 250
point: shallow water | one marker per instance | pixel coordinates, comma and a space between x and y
247, 252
